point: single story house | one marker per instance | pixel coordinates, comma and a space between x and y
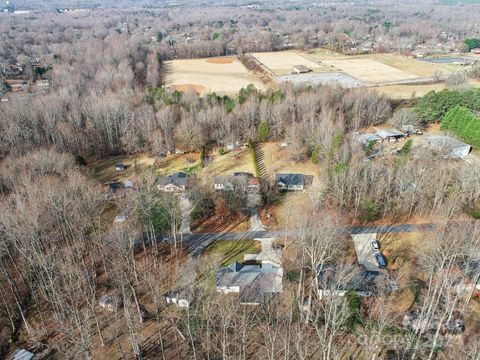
359, 280
119, 166
181, 298
300, 69
176, 182
390, 134
365, 139
294, 182
448, 147
252, 282
242, 180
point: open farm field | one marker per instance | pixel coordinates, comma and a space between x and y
369, 70
409, 90
223, 75
281, 62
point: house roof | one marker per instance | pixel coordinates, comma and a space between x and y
22, 354
290, 179
366, 138
254, 281
177, 179
240, 178
301, 68
354, 280
446, 142
385, 133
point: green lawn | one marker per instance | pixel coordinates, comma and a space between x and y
232, 250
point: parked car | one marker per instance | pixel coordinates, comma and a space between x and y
380, 261
375, 246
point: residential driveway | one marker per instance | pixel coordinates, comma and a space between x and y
255, 223
186, 207
267, 254
365, 253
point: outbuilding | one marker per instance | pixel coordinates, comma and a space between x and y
390, 134
300, 69
449, 147
366, 139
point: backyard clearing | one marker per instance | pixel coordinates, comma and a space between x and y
282, 62
104, 169
369, 70
223, 75
232, 250
277, 161
227, 164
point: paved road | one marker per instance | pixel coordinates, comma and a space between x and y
196, 243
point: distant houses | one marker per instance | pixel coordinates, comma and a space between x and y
252, 282
290, 182
176, 182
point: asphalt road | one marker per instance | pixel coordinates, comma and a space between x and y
196, 243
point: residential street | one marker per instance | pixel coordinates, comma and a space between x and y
196, 243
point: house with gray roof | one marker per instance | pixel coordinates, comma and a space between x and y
253, 283
176, 182
239, 180
290, 182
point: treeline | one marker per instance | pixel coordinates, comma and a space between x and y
463, 123
409, 188
110, 118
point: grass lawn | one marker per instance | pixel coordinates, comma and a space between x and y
232, 250
104, 169
227, 164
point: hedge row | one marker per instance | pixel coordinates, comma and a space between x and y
464, 124
434, 105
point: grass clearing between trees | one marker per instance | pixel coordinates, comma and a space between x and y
232, 251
